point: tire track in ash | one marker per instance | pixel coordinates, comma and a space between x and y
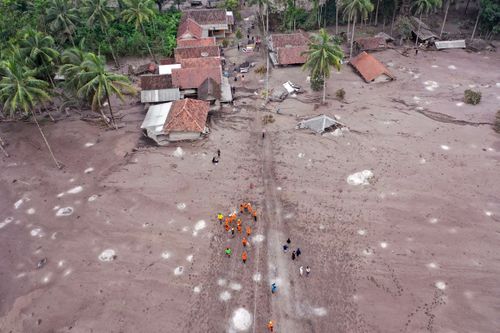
282, 306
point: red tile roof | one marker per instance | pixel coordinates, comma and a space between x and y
187, 115
207, 41
155, 82
371, 43
189, 28
369, 67
191, 78
291, 55
207, 16
286, 40
200, 62
167, 61
196, 52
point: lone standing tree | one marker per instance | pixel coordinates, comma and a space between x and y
323, 54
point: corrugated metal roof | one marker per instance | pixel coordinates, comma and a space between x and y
369, 67
160, 95
318, 124
450, 44
156, 117
167, 69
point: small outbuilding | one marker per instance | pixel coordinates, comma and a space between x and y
176, 121
369, 44
370, 69
320, 124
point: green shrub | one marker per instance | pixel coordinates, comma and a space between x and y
317, 83
472, 97
238, 34
340, 94
225, 42
261, 70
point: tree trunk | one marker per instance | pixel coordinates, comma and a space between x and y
466, 7
475, 25
267, 53
393, 16
115, 59
58, 165
348, 26
110, 109
324, 88
445, 16
405, 8
147, 43
376, 13
352, 39
3, 149
418, 30
337, 17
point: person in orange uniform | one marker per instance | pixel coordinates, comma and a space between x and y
239, 228
254, 214
270, 326
249, 231
242, 208
227, 226
249, 207
244, 241
244, 256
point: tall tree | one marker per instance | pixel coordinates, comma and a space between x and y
99, 12
424, 6
21, 92
323, 54
261, 4
97, 84
139, 12
445, 16
62, 17
354, 9
39, 53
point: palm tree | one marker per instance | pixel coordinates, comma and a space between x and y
97, 84
261, 4
62, 17
139, 12
445, 16
354, 9
323, 54
100, 12
21, 91
422, 6
39, 53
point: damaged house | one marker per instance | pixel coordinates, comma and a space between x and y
288, 49
370, 69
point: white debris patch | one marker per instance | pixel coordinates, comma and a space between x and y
258, 238
6, 222
383, 245
320, 312
88, 170
178, 270
189, 258
367, 252
37, 232
165, 255
19, 202
107, 255
221, 282
75, 190
459, 104
452, 67
178, 152
89, 144
92, 198
46, 278
434, 66
225, 296
433, 220
440, 285
431, 85
432, 265
197, 289
257, 277
60, 194
200, 225
422, 161
181, 206
360, 178
301, 155
361, 232
65, 211
445, 147
488, 213
235, 286
241, 320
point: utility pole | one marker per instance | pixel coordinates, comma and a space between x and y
267, 51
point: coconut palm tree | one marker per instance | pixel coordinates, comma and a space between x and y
100, 12
139, 12
39, 53
261, 4
424, 6
20, 91
97, 84
323, 54
354, 9
62, 18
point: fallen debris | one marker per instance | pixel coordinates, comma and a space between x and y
360, 178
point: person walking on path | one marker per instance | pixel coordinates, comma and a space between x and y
228, 251
285, 248
226, 226
288, 241
239, 228
301, 270
220, 217
273, 287
242, 208
254, 214
308, 270
249, 231
244, 256
218, 153
270, 326
298, 252
232, 231
244, 241
293, 255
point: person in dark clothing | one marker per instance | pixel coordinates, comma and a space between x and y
298, 252
293, 255
416, 51
288, 241
218, 153
238, 46
285, 248
215, 160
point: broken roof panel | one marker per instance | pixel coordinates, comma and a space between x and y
196, 52
160, 95
167, 69
369, 67
319, 123
156, 116
450, 44
422, 30
206, 41
371, 43
187, 115
155, 81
